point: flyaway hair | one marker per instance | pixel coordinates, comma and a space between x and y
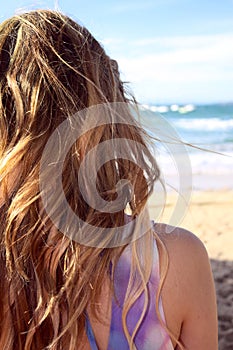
50, 69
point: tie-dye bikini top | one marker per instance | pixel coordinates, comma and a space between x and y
151, 335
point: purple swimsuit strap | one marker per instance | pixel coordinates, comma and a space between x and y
151, 335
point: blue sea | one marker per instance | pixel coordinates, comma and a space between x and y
208, 128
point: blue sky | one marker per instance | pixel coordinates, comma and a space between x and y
171, 51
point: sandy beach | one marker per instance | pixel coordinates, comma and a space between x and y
209, 215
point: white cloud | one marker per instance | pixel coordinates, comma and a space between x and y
182, 41
193, 61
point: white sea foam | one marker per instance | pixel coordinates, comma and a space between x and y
174, 108
203, 162
186, 109
209, 127
206, 124
159, 109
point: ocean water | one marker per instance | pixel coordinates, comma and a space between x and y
209, 131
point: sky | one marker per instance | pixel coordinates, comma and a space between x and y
170, 51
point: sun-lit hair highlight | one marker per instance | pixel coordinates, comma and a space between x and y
51, 67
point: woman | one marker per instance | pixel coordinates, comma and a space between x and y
60, 287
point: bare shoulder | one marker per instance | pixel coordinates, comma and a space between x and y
182, 245
188, 293
189, 265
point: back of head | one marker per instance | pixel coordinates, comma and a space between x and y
51, 68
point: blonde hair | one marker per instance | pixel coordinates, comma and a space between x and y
51, 67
